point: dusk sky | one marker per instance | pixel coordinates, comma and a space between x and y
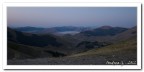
71, 16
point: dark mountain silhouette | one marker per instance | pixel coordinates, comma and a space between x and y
32, 39
58, 30
29, 29
69, 28
51, 30
105, 27
104, 31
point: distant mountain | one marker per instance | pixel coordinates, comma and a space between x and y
53, 30
105, 27
63, 30
69, 28
28, 29
104, 31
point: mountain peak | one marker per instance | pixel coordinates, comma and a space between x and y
105, 27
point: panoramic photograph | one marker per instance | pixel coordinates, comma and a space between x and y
71, 35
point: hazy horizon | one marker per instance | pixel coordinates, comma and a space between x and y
70, 26
47, 17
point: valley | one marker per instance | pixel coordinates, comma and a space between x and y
71, 45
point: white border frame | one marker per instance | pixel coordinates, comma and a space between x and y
5, 5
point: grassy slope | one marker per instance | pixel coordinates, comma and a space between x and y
123, 51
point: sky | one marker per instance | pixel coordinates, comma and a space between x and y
71, 16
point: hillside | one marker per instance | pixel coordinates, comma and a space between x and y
132, 32
129, 44
26, 45
121, 47
107, 38
32, 39
19, 51
104, 31
63, 44
121, 52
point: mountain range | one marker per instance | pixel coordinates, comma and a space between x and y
88, 43
104, 31
52, 30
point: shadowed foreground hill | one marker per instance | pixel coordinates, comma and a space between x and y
124, 51
32, 39
26, 45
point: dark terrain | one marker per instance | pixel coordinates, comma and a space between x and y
88, 47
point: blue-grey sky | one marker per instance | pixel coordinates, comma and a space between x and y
71, 16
